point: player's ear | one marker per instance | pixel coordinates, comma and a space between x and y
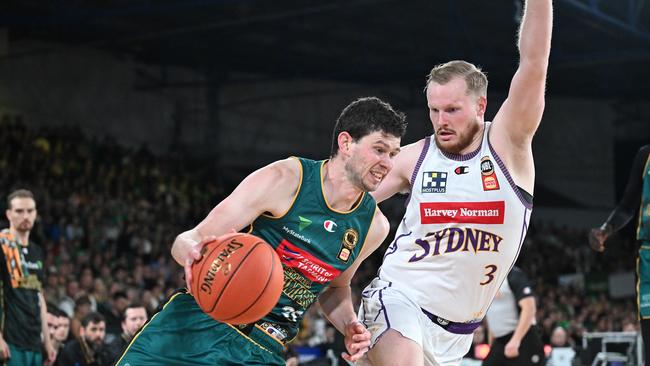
481, 105
345, 142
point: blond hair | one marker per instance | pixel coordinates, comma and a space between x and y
475, 79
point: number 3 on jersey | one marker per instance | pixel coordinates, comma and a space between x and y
489, 269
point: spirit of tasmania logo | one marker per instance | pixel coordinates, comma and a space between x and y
303, 261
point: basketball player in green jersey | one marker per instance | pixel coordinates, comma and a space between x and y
322, 223
636, 197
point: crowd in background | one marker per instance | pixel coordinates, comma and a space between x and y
108, 215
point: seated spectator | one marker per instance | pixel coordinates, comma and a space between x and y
87, 349
133, 318
59, 326
113, 313
560, 338
81, 309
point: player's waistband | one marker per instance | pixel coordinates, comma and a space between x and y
453, 327
268, 335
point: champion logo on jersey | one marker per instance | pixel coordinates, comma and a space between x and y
461, 170
329, 225
434, 182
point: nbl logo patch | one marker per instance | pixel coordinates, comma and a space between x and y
434, 182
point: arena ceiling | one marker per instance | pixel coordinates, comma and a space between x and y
601, 48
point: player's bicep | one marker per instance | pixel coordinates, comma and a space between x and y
268, 189
521, 113
528, 302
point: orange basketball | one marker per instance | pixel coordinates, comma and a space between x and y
238, 280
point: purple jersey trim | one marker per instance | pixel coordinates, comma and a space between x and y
453, 327
418, 164
522, 236
423, 154
505, 172
383, 308
392, 248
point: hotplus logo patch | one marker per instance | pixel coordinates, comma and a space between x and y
434, 182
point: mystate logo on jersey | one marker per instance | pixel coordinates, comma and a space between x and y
492, 212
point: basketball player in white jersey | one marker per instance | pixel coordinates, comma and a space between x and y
470, 187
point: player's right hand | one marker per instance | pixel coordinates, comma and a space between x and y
597, 237
194, 254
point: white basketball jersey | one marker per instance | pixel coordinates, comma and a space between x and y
476, 220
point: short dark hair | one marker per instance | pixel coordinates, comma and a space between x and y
55, 310
81, 301
133, 305
365, 116
92, 317
19, 193
119, 295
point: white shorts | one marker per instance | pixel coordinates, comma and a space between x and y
383, 308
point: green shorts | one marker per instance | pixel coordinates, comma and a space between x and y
23, 357
182, 334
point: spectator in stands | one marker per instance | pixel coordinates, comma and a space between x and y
133, 318
560, 338
113, 314
88, 348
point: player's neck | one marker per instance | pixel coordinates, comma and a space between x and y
339, 192
21, 236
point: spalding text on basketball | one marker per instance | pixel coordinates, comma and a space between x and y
218, 264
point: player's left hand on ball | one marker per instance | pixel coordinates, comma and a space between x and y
357, 341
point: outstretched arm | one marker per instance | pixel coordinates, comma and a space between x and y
336, 300
521, 113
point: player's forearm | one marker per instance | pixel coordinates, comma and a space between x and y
336, 303
526, 317
631, 200
45, 331
617, 219
182, 245
535, 32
